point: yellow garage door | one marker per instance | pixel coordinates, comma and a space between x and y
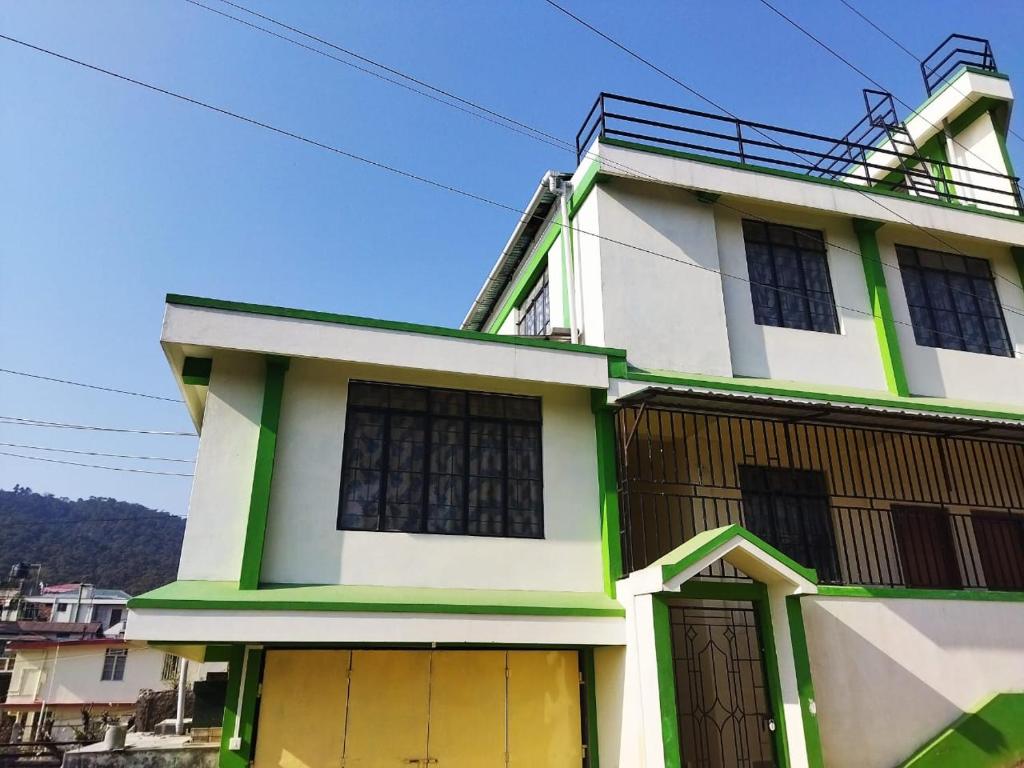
438, 709
302, 709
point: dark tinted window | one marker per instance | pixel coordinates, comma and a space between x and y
535, 312
441, 461
789, 280
953, 301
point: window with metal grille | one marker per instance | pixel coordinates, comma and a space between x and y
169, 672
789, 278
789, 509
535, 311
6, 662
424, 460
953, 301
114, 661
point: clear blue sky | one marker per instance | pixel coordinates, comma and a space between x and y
112, 196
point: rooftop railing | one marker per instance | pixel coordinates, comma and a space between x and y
863, 157
952, 53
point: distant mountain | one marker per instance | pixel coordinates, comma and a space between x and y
105, 542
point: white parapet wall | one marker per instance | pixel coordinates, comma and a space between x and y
890, 674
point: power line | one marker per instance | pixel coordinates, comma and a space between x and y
906, 50
431, 182
95, 466
794, 152
98, 453
89, 386
18, 421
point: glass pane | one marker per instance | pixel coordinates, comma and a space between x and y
754, 231
374, 395
486, 405
409, 398
446, 490
486, 478
406, 458
527, 408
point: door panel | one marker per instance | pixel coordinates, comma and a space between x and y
467, 709
1000, 539
302, 709
544, 710
926, 547
387, 722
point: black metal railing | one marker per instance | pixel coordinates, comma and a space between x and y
952, 53
857, 158
861, 505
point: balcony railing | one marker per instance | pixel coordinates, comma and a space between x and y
952, 53
862, 505
855, 158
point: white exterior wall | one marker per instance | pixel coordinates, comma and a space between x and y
977, 146
667, 313
890, 674
587, 251
304, 547
849, 358
953, 373
219, 504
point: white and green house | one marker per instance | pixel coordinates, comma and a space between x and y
725, 467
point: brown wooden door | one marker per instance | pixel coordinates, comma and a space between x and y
926, 548
1000, 539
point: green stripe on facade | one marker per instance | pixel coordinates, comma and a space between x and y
197, 371
771, 669
244, 709
590, 683
528, 276
263, 474
805, 685
881, 309
584, 188
908, 593
1018, 260
607, 489
666, 684
385, 325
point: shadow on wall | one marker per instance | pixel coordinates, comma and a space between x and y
873, 711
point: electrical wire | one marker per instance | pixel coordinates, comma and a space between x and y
90, 386
98, 453
95, 466
19, 421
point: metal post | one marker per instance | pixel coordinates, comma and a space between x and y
179, 723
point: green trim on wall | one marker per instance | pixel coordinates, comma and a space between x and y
962, 121
528, 277
386, 325
263, 474
804, 683
246, 709
707, 197
771, 668
881, 309
989, 736
810, 179
350, 598
805, 391
584, 188
908, 593
607, 489
590, 685
666, 684
1018, 259
694, 549
197, 371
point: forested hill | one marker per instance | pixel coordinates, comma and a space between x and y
109, 543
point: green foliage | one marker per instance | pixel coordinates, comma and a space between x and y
109, 543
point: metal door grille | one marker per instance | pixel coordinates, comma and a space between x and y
725, 720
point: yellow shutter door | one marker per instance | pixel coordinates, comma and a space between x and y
302, 709
467, 709
544, 727
387, 722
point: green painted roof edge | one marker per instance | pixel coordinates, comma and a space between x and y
989, 736
796, 176
226, 595
706, 542
811, 392
387, 325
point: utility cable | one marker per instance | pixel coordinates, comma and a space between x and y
95, 466
90, 386
98, 453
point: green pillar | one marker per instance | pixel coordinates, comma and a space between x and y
607, 489
245, 667
881, 309
805, 685
263, 473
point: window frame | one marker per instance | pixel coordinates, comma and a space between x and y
466, 475
540, 289
939, 339
818, 236
116, 671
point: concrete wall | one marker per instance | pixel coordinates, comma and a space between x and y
953, 373
192, 756
890, 674
304, 547
667, 309
850, 357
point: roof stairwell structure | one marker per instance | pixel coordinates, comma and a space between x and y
724, 467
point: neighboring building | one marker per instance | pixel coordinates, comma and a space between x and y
732, 475
54, 681
22, 581
79, 603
